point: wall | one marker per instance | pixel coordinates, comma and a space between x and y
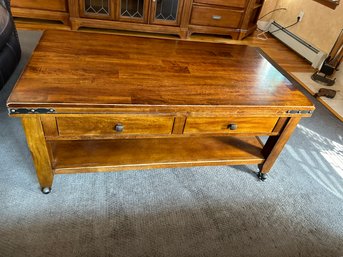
320, 26
268, 6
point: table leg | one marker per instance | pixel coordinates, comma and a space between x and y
38, 147
274, 146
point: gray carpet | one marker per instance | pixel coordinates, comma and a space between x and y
205, 211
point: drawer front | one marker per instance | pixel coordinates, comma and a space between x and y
229, 125
51, 5
114, 125
217, 17
230, 3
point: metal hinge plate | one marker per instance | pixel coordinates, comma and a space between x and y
299, 112
31, 110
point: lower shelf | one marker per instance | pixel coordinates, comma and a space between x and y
124, 154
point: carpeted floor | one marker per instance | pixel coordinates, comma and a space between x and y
203, 212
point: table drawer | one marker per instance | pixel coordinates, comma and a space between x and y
230, 3
217, 17
229, 125
114, 124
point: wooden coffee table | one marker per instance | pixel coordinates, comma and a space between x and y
96, 102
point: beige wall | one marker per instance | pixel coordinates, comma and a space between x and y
320, 26
268, 6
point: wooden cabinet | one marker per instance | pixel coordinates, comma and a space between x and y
161, 12
235, 18
158, 16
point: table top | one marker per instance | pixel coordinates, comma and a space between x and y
82, 69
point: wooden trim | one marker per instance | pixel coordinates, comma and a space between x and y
330, 109
328, 3
28, 24
204, 110
121, 25
186, 13
234, 33
140, 136
74, 8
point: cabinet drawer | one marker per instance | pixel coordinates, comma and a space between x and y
114, 124
230, 3
51, 5
229, 125
218, 17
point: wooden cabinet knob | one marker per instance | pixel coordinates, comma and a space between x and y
232, 126
119, 127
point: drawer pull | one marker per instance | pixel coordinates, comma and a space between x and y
216, 17
119, 127
232, 126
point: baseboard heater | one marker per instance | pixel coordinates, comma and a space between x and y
309, 52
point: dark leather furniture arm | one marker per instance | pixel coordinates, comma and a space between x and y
10, 51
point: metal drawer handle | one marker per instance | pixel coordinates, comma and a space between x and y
216, 17
119, 127
232, 126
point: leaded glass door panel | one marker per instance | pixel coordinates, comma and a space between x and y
166, 11
100, 9
133, 10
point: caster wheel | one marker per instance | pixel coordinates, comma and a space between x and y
46, 190
262, 176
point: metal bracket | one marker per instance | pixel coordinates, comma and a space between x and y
31, 111
299, 112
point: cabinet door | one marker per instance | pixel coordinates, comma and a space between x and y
133, 10
166, 12
99, 9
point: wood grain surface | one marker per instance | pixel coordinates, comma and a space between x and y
39, 150
217, 17
105, 124
53, 5
81, 69
221, 125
